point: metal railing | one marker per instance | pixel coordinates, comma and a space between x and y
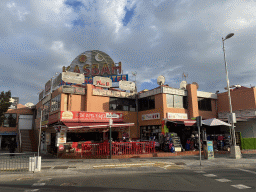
15, 162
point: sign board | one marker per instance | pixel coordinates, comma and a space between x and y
102, 81
114, 78
14, 102
113, 115
94, 63
48, 87
210, 150
177, 115
41, 95
110, 93
73, 90
81, 116
71, 77
127, 85
47, 98
151, 116
56, 82
61, 137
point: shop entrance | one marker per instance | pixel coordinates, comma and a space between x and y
5, 139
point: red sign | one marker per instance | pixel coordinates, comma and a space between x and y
61, 147
81, 116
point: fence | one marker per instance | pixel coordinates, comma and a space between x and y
14, 162
248, 143
118, 148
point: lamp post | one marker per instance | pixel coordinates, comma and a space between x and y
235, 150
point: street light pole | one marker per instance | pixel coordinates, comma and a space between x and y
235, 150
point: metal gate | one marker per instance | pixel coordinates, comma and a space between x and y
15, 162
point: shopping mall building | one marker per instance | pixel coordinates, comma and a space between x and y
77, 106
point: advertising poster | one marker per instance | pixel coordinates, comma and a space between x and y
61, 138
210, 150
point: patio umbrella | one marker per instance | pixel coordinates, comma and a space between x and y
214, 122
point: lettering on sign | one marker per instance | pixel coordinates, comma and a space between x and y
177, 115
73, 90
110, 93
67, 115
102, 81
72, 77
151, 116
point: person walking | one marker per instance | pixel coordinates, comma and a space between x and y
12, 146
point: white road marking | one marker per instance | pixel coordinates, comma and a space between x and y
200, 172
253, 172
38, 184
44, 179
31, 190
210, 175
223, 180
240, 186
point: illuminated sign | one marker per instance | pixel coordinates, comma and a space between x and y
114, 78
102, 81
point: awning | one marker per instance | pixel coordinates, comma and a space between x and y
186, 122
96, 125
214, 122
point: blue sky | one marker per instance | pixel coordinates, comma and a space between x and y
151, 37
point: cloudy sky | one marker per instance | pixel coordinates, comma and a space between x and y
151, 37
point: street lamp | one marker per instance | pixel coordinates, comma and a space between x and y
235, 150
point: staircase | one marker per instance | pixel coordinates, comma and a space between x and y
28, 141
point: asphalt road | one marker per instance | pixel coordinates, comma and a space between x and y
236, 179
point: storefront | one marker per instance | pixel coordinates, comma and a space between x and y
5, 138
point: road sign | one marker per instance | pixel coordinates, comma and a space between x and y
109, 115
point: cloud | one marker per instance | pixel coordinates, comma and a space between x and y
157, 38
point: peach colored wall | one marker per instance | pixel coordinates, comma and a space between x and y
209, 114
241, 99
192, 101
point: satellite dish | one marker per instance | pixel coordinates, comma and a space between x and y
195, 83
160, 80
29, 105
183, 84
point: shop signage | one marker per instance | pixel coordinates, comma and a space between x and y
239, 113
57, 81
177, 116
7, 133
127, 85
80, 116
114, 78
41, 95
151, 92
151, 116
61, 137
73, 90
102, 81
94, 63
206, 95
72, 77
110, 93
14, 102
44, 123
112, 115
47, 98
48, 87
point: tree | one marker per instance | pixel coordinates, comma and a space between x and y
4, 104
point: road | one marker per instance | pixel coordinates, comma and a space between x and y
146, 178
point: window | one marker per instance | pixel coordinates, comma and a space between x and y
176, 101
204, 104
55, 103
122, 104
146, 103
10, 120
46, 111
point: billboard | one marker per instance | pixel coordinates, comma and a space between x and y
114, 78
41, 95
48, 87
73, 90
102, 81
56, 82
71, 77
127, 85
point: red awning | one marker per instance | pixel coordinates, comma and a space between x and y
186, 122
96, 125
